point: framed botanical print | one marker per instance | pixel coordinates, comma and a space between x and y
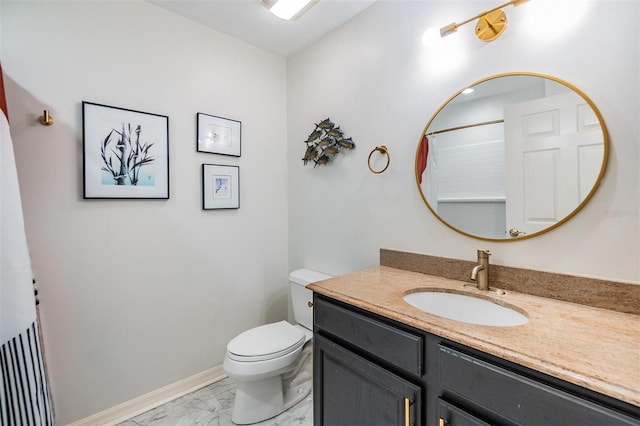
125, 153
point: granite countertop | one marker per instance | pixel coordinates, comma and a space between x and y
591, 347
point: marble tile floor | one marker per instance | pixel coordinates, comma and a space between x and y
212, 406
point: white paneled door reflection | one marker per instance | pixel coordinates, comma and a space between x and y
553, 159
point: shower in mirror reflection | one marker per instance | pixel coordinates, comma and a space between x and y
524, 151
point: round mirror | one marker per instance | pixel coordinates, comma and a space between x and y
511, 156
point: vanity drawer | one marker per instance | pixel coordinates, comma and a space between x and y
452, 415
386, 342
515, 397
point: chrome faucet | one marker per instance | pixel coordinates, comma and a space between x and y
480, 272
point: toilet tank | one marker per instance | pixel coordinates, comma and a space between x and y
302, 298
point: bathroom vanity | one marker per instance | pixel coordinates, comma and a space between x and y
381, 361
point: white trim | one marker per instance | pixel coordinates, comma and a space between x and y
472, 200
141, 404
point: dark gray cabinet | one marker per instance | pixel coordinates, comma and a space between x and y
356, 392
367, 371
372, 371
509, 397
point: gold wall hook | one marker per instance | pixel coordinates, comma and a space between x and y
383, 150
46, 119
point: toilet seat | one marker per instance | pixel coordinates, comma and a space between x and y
266, 342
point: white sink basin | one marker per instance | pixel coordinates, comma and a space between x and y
465, 308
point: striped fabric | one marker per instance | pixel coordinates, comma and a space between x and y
24, 397
24, 393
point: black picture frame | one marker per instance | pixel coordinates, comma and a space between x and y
125, 153
218, 135
220, 186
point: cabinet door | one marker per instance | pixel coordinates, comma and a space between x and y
352, 391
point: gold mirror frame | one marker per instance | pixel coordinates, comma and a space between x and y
605, 157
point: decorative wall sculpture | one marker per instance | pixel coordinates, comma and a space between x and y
324, 142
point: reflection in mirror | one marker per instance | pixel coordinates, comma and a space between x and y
515, 157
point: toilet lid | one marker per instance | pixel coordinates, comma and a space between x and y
267, 341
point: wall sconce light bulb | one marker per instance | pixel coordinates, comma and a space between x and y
448, 29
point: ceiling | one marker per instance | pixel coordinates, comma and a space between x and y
250, 21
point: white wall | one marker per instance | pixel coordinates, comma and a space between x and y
376, 78
117, 327
136, 295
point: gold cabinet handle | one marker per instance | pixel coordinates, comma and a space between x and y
407, 413
442, 422
310, 304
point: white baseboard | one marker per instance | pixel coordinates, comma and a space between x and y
139, 405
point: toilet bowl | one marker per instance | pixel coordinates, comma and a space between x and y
270, 363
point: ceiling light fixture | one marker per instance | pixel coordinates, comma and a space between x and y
288, 9
491, 24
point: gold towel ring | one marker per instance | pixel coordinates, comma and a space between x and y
383, 150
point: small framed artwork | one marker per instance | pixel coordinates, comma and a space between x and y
220, 187
217, 135
125, 153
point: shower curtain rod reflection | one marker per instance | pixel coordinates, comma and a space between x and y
466, 126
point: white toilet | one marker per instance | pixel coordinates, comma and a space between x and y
267, 362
